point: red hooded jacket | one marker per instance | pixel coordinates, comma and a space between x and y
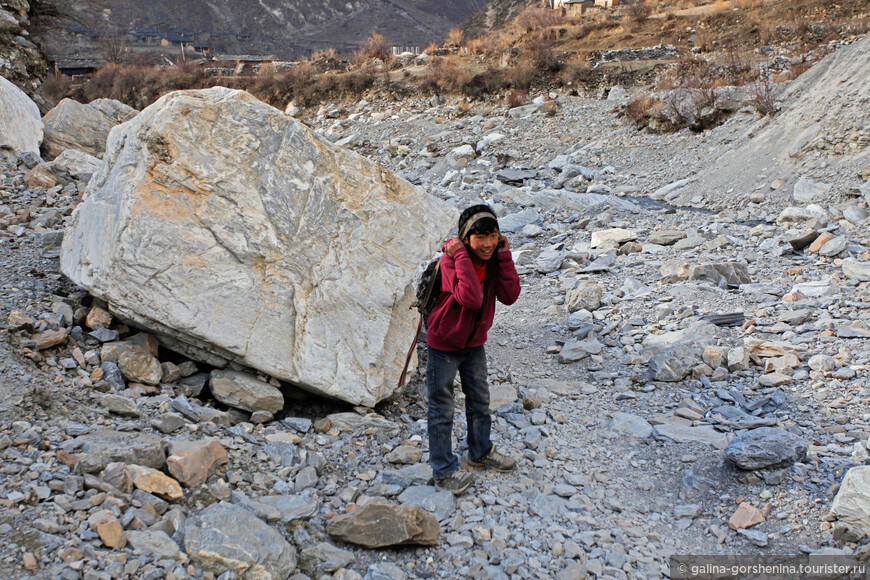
463, 315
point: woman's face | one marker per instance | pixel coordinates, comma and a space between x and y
483, 246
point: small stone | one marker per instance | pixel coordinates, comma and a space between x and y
191, 462
666, 237
98, 318
19, 320
746, 516
405, 455
28, 560
120, 405
155, 482
108, 528
49, 338
820, 241
261, 417
586, 296
139, 366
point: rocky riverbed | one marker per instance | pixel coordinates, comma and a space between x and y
671, 381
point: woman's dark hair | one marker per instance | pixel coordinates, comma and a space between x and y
482, 225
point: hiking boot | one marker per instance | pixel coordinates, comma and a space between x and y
456, 482
494, 460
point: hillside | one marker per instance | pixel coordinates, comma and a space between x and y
280, 27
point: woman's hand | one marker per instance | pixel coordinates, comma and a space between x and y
452, 246
504, 246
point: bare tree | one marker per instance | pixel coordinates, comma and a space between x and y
112, 46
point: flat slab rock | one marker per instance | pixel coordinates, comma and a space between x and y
235, 233
96, 450
227, 538
378, 525
765, 447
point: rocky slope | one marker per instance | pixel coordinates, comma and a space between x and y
21, 61
652, 348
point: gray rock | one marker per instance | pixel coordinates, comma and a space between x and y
324, 557
292, 507
586, 296
245, 391
808, 191
675, 363
155, 544
191, 386
258, 270
733, 273
631, 425
439, 503
666, 237
857, 329
225, 537
516, 221
21, 127
852, 502
575, 350
96, 450
681, 433
515, 176
72, 125
120, 405
355, 422
855, 214
283, 453
834, 246
307, 477
547, 506
765, 447
168, 422
855, 270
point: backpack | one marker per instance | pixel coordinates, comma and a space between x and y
427, 288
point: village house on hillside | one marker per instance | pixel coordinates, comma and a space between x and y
579, 7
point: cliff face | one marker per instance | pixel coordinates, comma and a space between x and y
278, 26
21, 61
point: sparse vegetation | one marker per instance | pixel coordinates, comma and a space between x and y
639, 11
541, 49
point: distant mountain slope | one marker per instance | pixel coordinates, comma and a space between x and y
496, 14
272, 25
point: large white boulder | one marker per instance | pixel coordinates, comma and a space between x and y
235, 233
20, 122
72, 125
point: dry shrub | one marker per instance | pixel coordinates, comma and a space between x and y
489, 45
539, 55
640, 109
374, 47
455, 38
764, 97
588, 28
55, 87
517, 98
639, 11
532, 19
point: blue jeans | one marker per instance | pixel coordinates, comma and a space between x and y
440, 372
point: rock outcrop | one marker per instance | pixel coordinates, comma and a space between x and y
236, 234
72, 125
20, 121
